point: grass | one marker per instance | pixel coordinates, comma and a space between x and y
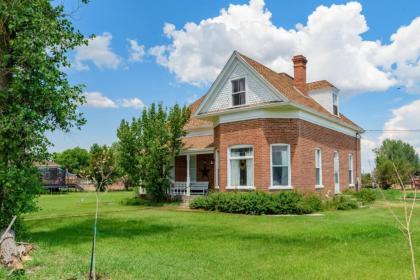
143, 242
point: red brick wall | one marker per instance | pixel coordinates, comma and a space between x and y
303, 138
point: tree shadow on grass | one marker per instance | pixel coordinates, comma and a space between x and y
80, 232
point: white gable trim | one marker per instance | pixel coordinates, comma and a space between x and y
235, 59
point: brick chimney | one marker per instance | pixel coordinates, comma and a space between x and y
299, 65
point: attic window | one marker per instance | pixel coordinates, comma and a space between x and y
238, 92
335, 104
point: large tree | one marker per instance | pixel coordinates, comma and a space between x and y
102, 168
150, 144
395, 154
35, 95
74, 160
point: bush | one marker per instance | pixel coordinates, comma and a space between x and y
258, 203
341, 202
365, 196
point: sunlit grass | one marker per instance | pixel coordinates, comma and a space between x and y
137, 242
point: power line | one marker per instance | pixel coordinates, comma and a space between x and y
393, 130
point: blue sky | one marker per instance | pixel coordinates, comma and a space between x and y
347, 43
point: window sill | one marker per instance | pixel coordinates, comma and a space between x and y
280, 188
319, 186
352, 185
240, 188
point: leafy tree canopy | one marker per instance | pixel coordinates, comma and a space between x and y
149, 144
35, 95
400, 154
102, 168
74, 160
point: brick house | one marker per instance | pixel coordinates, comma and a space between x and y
256, 129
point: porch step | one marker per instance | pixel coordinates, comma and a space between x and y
185, 201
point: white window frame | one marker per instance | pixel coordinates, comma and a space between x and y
338, 171
232, 93
289, 185
229, 187
321, 185
351, 182
216, 169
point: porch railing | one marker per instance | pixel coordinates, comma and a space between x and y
196, 188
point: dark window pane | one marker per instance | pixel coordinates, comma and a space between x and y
318, 176
238, 98
238, 85
241, 83
280, 176
235, 86
335, 108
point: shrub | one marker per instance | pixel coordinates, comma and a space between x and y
258, 203
365, 196
341, 202
310, 204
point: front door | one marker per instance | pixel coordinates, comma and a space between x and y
336, 173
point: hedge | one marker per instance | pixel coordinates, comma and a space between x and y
258, 203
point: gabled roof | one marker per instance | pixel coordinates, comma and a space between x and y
194, 123
319, 85
197, 142
283, 84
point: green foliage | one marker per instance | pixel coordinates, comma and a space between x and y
341, 202
35, 95
397, 152
102, 168
128, 152
20, 185
148, 145
367, 181
74, 160
365, 195
258, 203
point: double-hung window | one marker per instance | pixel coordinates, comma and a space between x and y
351, 180
318, 168
280, 166
238, 92
241, 166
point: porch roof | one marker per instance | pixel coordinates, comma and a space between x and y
198, 142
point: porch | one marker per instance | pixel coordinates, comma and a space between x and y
193, 173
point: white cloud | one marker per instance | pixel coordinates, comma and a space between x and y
404, 118
97, 100
331, 39
137, 51
99, 52
132, 103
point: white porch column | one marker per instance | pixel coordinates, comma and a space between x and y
188, 175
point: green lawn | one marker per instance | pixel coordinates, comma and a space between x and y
138, 242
